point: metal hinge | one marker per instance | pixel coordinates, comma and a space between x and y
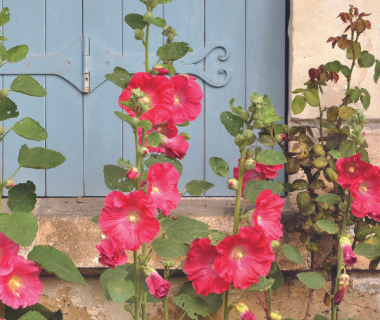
88, 73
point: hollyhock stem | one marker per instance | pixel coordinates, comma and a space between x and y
321, 123
137, 185
137, 289
143, 137
144, 307
227, 307
166, 311
147, 49
270, 300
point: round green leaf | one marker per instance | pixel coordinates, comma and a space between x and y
157, 21
334, 66
22, 197
163, 158
8, 109
117, 272
377, 71
120, 77
172, 51
115, 178
197, 187
292, 253
17, 53
219, 166
19, 226
154, 139
312, 97
328, 226
135, 21
4, 16
335, 154
30, 129
120, 290
298, 105
271, 157
233, 123
367, 250
366, 59
193, 304
39, 158
346, 112
319, 317
312, 279
169, 248
329, 198
32, 315
254, 187
27, 85
56, 262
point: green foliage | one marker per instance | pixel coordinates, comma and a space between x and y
32, 315
158, 22
122, 163
335, 154
95, 219
254, 187
312, 97
172, 51
20, 226
329, 198
367, 250
163, 1
48, 314
233, 123
56, 262
292, 253
120, 77
154, 139
163, 158
270, 157
39, 158
22, 197
8, 109
219, 166
118, 272
169, 248
135, 21
350, 51
377, 71
123, 116
115, 178
5, 16
27, 85
266, 140
263, 285
319, 317
276, 274
328, 225
17, 53
312, 279
120, 290
298, 104
197, 187
30, 129
194, 305
366, 60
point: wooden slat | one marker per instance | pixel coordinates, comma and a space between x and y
27, 26
64, 102
102, 129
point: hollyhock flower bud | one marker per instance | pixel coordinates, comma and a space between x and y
143, 152
249, 164
343, 284
239, 140
233, 184
247, 134
3, 93
244, 116
279, 138
360, 139
128, 307
275, 315
139, 34
153, 4
247, 176
8, 183
2, 130
160, 69
185, 135
148, 15
168, 263
274, 244
243, 311
132, 173
134, 123
348, 255
110, 254
158, 287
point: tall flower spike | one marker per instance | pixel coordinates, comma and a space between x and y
8, 250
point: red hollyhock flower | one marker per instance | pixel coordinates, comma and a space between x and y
161, 70
158, 287
22, 286
187, 99
8, 250
132, 173
175, 147
244, 257
129, 219
158, 91
343, 284
351, 169
366, 193
247, 176
268, 171
110, 254
348, 256
199, 267
163, 179
267, 214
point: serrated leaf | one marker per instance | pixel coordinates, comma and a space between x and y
367, 250
135, 21
293, 254
254, 187
312, 97
145, 124
17, 53
219, 166
22, 197
27, 85
193, 304
172, 51
115, 178
271, 157
8, 109
20, 226
163, 158
39, 158
313, 280
328, 226
154, 139
197, 187
329, 198
56, 262
117, 272
157, 21
123, 116
120, 290
298, 104
263, 285
4, 16
30, 129
233, 123
169, 248
119, 77
335, 154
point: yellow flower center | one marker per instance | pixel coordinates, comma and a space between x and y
258, 218
363, 188
161, 129
14, 284
176, 101
145, 99
133, 216
238, 255
351, 169
155, 190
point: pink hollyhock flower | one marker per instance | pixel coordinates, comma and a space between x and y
8, 250
163, 180
167, 129
268, 171
199, 267
175, 147
267, 214
158, 287
132, 173
22, 286
161, 70
351, 169
110, 254
244, 257
129, 219
366, 193
187, 99
243, 311
349, 256
247, 176
158, 91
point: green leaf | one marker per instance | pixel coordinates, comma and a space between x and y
118, 272
145, 124
277, 275
32, 315
120, 290
233, 123
292, 253
30, 129
4, 16
27, 85
56, 262
185, 124
163, 158
312, 97
346, 148
350, 51
169, 248
346, 71
20, 226
48, 314
158, 22
367, 250
298, 91
172, 51
219, 166
263, 285
3, 38
180, 228
335, 154
163, 1
22, 197
8, 109
334, 66
312, 279
197, 187
135, 21
154, 139
17, 53
366, 101
122, 163
319, 317
95, 219
364, 153
271, 157
115, 178
39, 158
363, 232
120, 77
329, 198
193, 304
377, 71
327, 225
298, 105
366, 60
123, 116
238, 110
254, 187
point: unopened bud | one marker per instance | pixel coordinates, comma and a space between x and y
134, 123
128, 307
132, 173
143, 152
3, 93
140, 257
279, 138
168, 263
239, 140
247, 134
258, 124
244, 116
233, 184
153, 4
360, 139
275, 315
139, 34
8, 183
249, 164
185, 135
2, 130
160, 69
148, 15
274, 244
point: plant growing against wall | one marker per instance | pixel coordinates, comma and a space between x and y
20, 286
